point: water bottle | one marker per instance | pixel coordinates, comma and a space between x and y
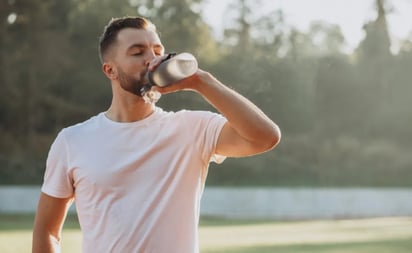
172, 69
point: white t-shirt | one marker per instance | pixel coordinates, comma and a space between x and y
137, 186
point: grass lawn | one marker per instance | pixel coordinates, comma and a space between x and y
380, 235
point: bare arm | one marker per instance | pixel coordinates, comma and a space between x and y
50, 216
248, 130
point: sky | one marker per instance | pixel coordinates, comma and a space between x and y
350, 15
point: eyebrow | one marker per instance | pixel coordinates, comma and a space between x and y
142, 46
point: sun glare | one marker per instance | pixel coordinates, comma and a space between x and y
11, 19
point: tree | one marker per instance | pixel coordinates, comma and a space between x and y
374, 59
31, 43
240, 34
181, 27
336, 97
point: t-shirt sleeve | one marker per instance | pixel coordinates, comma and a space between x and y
209, 132
57, 181
215, 127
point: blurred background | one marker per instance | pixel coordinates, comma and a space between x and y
335, 75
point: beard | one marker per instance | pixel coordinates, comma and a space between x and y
132, 84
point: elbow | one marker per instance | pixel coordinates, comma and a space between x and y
271, 139
275, 137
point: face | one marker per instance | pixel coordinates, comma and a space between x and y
134, 50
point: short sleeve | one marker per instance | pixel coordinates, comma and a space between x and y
57, 182
215, 127
213, 124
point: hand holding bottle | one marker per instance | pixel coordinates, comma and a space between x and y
171, 69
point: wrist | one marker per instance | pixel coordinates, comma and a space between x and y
205, 81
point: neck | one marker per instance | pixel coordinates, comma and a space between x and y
131, 110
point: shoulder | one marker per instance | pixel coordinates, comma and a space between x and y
196, 115
89, 125
192, 119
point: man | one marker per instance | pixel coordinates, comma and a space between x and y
136, 172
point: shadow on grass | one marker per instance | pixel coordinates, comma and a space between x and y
385, 246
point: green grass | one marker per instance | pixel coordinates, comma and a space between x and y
391, 246
380, 235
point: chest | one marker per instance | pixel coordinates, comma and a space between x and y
122, 159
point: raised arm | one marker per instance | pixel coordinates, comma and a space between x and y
248, 130
50, 216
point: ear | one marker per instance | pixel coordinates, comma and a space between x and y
109, 70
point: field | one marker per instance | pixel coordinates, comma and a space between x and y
380, 235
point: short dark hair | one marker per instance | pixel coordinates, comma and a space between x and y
115, 25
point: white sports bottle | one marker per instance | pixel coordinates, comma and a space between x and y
172, 69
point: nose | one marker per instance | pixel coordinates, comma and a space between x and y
150, 55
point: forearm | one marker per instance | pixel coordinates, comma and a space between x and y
243, 116
44, 242
48, 224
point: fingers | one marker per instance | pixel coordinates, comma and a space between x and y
187, 83
167, 89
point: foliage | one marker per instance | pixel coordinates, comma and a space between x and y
345, 117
